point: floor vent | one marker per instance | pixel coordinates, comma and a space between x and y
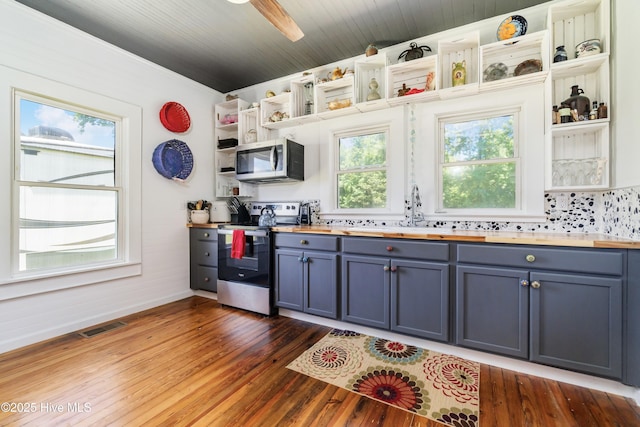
102, 329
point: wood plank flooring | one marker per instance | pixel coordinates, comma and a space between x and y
193, 362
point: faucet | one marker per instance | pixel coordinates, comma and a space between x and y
415, 204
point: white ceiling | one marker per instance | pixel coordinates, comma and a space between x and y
229, 46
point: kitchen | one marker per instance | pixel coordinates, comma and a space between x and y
29, 315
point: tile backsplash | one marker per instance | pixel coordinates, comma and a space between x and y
613, 212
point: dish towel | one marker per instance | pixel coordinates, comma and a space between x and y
237, 244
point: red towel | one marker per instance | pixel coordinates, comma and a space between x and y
237, 244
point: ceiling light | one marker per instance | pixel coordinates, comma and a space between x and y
238, 1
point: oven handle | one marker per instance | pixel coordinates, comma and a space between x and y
257, 233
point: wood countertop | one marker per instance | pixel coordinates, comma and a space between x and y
584, 240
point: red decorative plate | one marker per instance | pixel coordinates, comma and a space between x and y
175, 117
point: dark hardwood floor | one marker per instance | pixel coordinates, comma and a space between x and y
193, 362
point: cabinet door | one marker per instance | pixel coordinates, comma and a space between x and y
365, 291
289, 279
576, 322
420, 299
321, 284
493, 310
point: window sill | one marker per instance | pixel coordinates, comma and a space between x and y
25, 285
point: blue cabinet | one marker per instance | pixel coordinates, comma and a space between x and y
307, 279
395, 288
543, 313
203, 254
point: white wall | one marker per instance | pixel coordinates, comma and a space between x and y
625, 99
36, 44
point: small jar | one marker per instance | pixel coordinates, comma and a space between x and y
565, 113
560, 55
602, 111
555, 115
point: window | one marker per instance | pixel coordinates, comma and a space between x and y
68, 184
362, 169
479, 162
74, 216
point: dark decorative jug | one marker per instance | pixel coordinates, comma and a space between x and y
577, 101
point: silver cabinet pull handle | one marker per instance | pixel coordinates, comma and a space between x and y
535, 284
524, 282
530, 258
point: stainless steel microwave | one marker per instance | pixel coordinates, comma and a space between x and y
268, 161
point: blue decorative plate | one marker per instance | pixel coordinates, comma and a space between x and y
513, 26
173, 159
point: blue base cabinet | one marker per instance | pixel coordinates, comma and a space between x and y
399, 291
564, 319
203, 254
306, 279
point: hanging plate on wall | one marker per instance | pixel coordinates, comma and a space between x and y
173, 160
175, 117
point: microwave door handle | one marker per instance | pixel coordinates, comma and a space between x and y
273, 158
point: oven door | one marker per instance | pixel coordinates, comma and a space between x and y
255, 265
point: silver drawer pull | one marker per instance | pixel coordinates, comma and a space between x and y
524, 282
385, 268
206, 234
303, 242
206, 254
530, 258
535, 284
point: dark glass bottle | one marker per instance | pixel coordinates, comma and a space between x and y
602, 111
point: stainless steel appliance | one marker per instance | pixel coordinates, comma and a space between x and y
268, 161
247, 282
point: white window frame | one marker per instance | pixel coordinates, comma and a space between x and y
14, 283
457, 118
529, 100
394, 169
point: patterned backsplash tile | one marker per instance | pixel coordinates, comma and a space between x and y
614, 212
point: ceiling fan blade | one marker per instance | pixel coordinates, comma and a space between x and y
279, 17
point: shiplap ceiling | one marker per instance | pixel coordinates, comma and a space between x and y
229, 46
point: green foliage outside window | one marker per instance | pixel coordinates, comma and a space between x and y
362, 175
479, 169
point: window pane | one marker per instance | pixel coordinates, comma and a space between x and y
64, 227
484, 139
66, 147
362, 190
491, 185
363, 151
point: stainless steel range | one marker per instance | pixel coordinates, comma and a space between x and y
245, 258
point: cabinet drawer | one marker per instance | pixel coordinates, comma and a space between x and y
396, 248
206, 278
204, 253
206, 234
597, 261
307, 241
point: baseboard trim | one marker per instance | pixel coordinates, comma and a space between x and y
58, 330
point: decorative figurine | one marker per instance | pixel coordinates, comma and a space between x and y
459, 73
373, 90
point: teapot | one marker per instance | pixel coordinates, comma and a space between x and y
267, 217
337, 73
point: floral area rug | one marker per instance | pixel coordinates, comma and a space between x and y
438, 386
